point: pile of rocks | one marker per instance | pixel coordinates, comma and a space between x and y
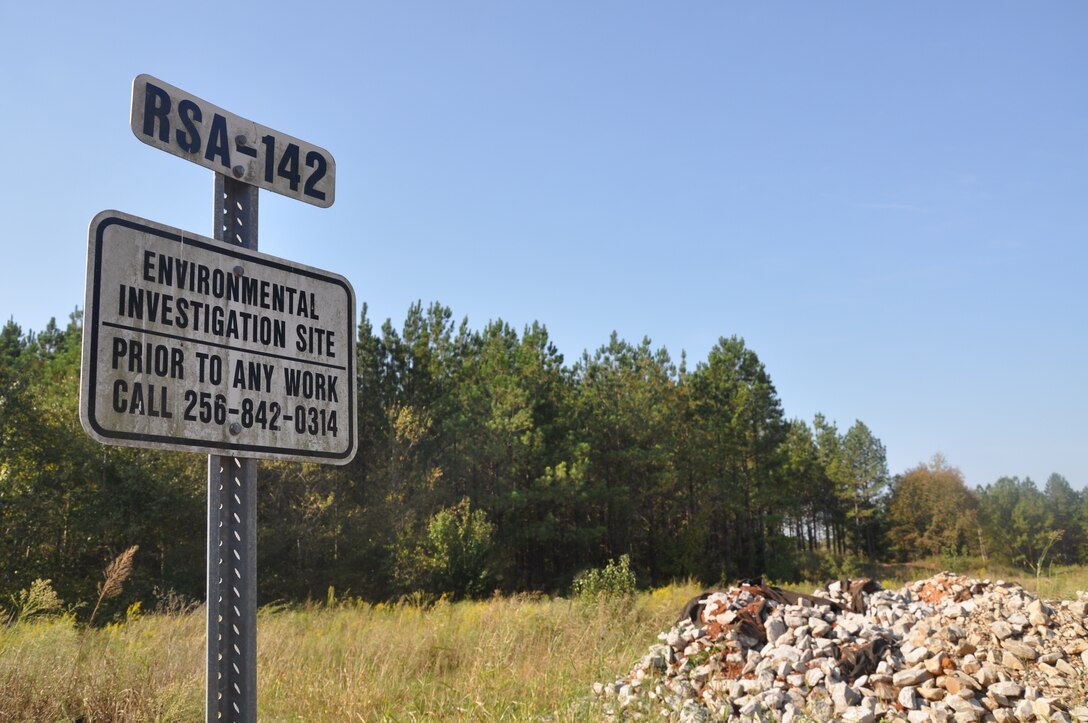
949, 648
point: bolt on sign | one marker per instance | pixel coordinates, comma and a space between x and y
194, 345
174, 121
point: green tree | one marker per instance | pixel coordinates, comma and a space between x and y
741, 427
628, 413
1064, 506
516, 393
814, 510
830, 452
1015, 518
68, 505
930, 509
862, 476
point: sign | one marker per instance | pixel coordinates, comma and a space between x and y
191, 344
171, 120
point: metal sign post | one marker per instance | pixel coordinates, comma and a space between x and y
231, 674
205, 345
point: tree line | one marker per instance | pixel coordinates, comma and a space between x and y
487, 462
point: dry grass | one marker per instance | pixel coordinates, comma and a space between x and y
145, 670
501, 659
509, 659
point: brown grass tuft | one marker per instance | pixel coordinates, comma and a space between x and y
116, 573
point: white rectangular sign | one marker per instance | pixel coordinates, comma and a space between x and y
195, 345
174, 121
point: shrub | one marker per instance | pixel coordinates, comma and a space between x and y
39, 601
614, 580
453, 558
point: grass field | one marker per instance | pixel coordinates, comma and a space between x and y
515, 658
500, 659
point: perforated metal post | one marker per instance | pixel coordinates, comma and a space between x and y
231, 678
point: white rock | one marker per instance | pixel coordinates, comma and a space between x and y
916, 655
844, 696
775, 629
910, 676
1007, 688
1000, 629
908, 698
858, 714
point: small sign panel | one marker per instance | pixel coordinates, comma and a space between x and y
171, 120
191, 344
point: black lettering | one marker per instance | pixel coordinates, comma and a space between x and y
198, 306
120, 347
269, 157
183, 273
120, 404
135, 357
156, 108
288, 167
135, 303
161, 361
189, 139
249, 290
149, 265
136, 404
217, 321
239, 374
181, 318
219, 283
167, 310
291, 380
241, 144
151, 410
153, 305
217, 141
315, 340
166, 270
313, 158
177, 364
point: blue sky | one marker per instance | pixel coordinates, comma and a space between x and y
886, 201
